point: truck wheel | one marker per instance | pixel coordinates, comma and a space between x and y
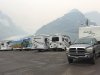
92, 60
99, 54
39, 51
70, 60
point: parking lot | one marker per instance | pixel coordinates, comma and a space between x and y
43, 63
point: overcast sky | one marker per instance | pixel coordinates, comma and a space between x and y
32, 14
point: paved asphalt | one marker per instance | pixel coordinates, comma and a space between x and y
43, 63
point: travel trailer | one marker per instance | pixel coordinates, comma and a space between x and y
5, 45
90, 31
59, 42
87, 46
40, 42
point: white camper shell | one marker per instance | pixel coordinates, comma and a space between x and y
5, 45
59, 42
90, 31
40, 42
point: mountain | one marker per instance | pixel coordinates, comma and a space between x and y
7, 27
68, 24
94, 16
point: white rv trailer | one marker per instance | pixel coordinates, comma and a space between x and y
40, 42
90, 31
59, 42
5, 45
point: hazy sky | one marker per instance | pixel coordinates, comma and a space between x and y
32, 14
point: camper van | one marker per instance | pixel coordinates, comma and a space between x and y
40, 42
59, 42
5, 45
87, 46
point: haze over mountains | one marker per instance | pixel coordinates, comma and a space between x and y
94, 16
68, 24
7, 27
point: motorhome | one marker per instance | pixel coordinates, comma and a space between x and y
59, 42
40, 42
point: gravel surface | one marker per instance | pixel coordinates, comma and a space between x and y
43, 63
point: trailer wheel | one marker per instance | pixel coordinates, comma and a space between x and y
99, 54
40, 50
20, 49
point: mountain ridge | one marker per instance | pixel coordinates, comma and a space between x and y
68, 24
7, 27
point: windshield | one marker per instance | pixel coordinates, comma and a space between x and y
84, 41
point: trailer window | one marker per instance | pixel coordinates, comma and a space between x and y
55, 39
2, 44
8, 42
